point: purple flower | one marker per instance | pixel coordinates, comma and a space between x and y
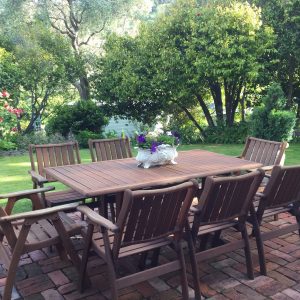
141, 139
154, 146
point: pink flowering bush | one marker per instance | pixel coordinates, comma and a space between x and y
8, 115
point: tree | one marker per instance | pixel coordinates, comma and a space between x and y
82, 23
270, 120
284, 17
192, 55
36, 70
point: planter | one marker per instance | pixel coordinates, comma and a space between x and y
164, 154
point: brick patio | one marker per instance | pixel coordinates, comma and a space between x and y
42, 275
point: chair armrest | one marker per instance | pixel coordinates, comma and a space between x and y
39, 179
27, 192
97, 219
39, 213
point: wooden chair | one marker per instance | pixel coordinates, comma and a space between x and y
282, 194
29, 231
110, 149
269, 153
225, 203
52, 155
149, 219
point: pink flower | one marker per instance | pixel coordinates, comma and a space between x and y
5, 94
1, 119
14, 129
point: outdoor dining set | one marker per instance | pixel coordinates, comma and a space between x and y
129, 211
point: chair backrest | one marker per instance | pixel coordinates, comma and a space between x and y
109, 149
148, 215
53, 155
227, 198
268, 153
283, 187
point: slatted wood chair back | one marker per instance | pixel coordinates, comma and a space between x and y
267, 152
283, 187
148, 215
53, 155
110, 149
227, 198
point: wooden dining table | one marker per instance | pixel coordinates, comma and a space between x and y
113, 176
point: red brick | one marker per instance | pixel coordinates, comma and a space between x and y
52, 295
58, 278
34, 285
52, 264
271, 288
145, 289
67, 288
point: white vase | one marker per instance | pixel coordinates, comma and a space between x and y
164, 154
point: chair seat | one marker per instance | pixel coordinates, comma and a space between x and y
63, 197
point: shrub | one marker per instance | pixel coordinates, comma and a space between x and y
82, 116
22, 141
270, 121
222, 134
6, 145
83, 136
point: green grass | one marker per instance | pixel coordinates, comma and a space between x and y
14, 169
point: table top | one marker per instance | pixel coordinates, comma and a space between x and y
100, 178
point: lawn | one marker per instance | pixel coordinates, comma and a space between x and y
14, 176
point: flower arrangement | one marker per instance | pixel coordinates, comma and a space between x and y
8, 114
157, 149
152, 140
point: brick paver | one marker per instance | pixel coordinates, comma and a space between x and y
43, 276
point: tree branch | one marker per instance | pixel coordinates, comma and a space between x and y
92, 34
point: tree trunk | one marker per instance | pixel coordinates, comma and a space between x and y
205, 110
216, 93
290, 94
190, 116
83, 88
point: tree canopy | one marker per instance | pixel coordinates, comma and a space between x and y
193, 54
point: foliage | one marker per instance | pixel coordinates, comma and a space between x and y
110, 134
37, 67
283, 16
23, 141
83, 136
192, 55
7, 145
188, 133
235, 134
269, 121
83, 115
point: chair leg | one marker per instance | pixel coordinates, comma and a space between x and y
155, 257
194, 265
111, 269
259, 242
82, 273
247, 250
18, 250
184, 284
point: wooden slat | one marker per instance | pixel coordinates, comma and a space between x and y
64, 155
